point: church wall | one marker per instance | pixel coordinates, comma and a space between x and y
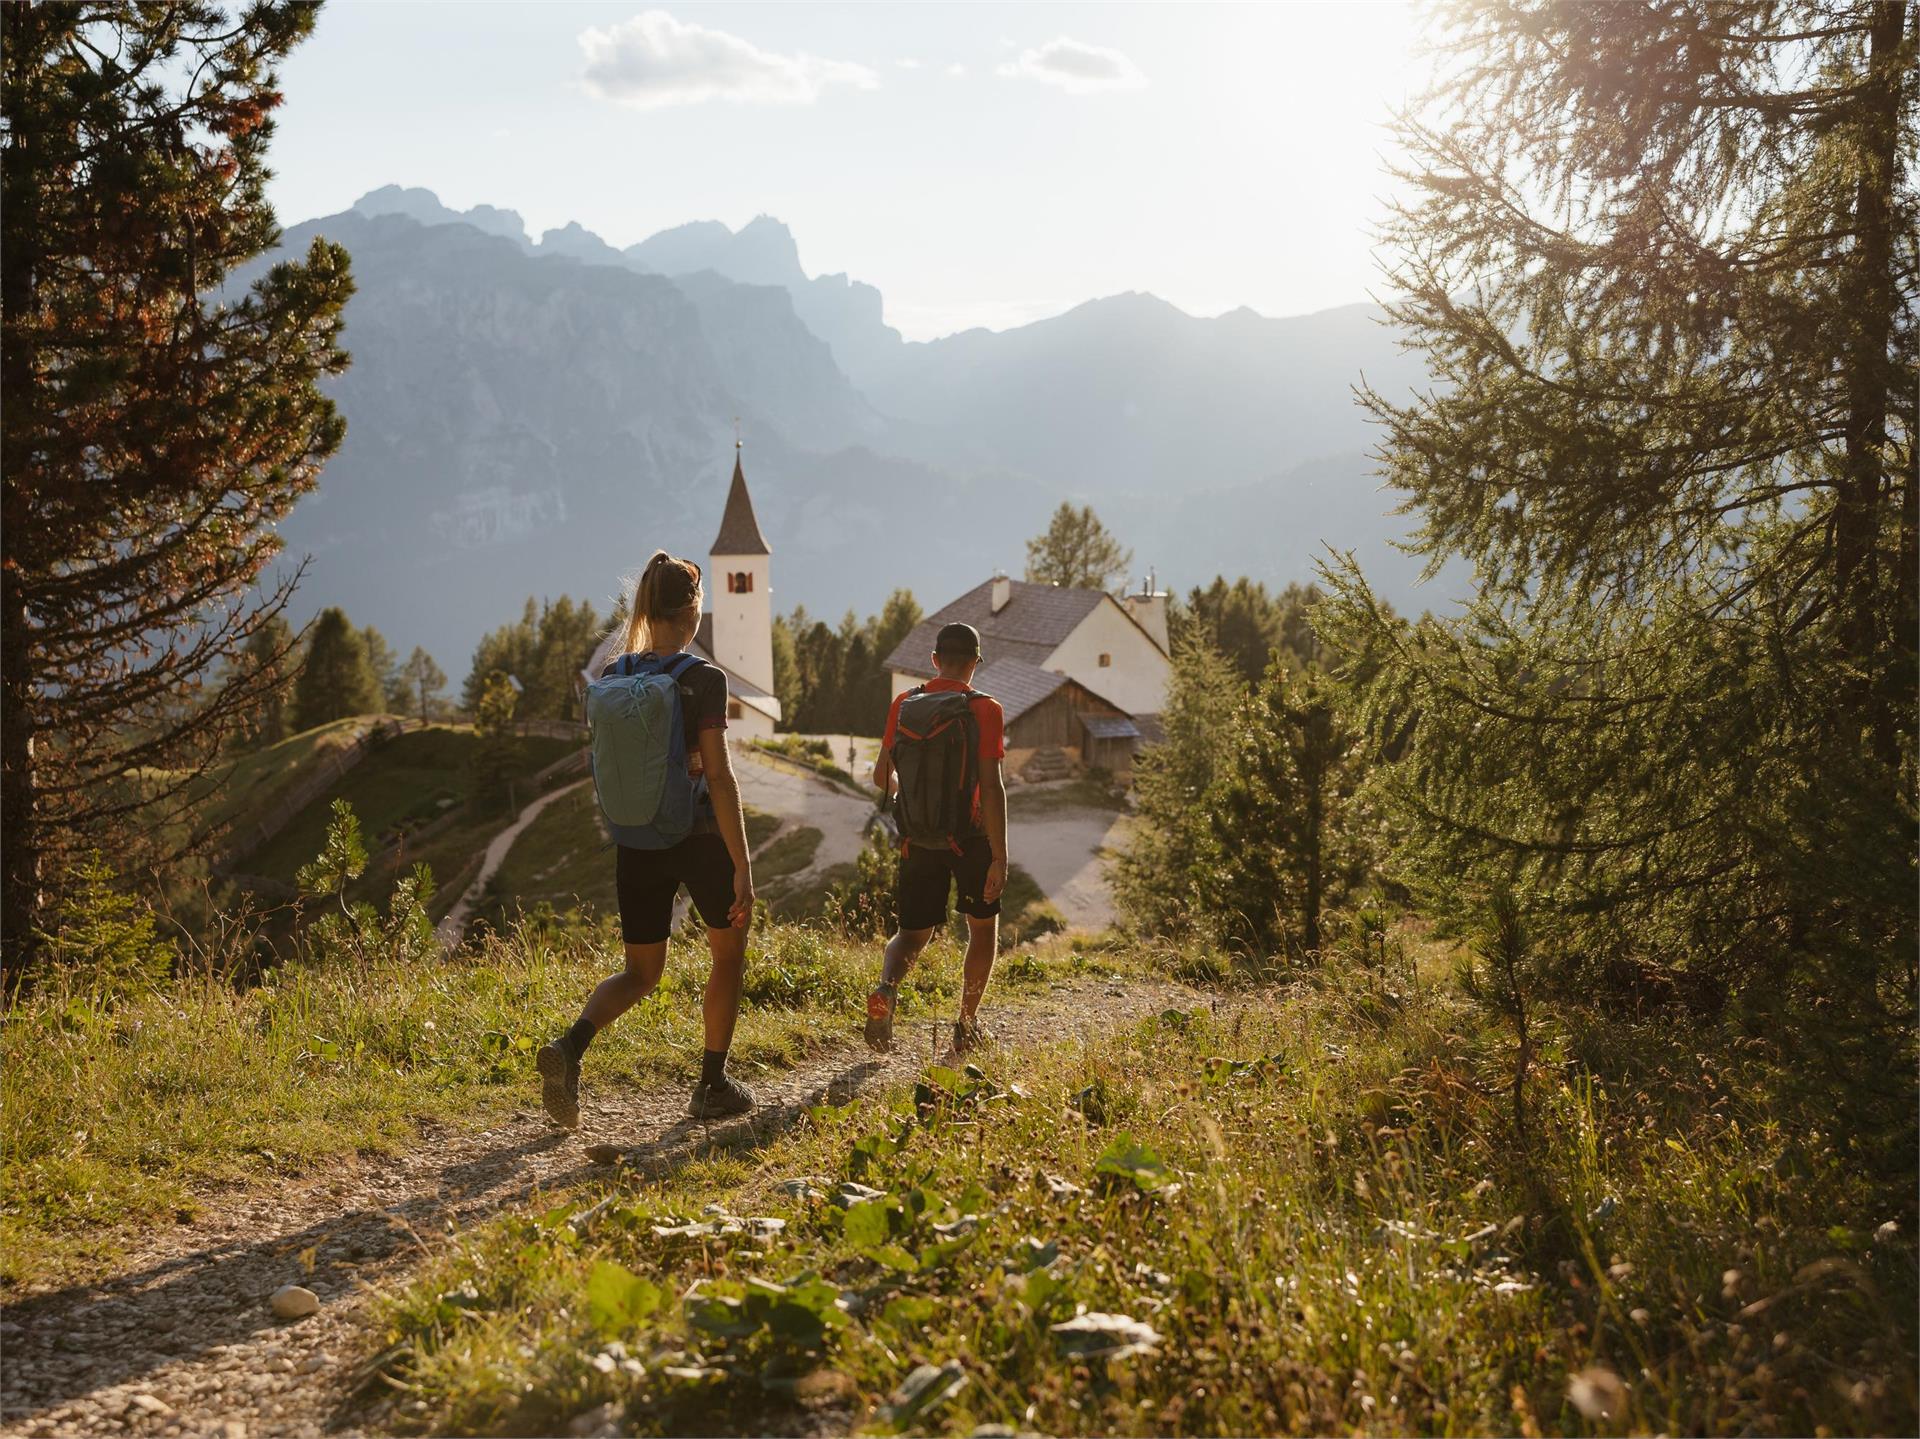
743, 623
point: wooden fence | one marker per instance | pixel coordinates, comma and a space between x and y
243, 839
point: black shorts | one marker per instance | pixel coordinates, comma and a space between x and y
925, 872
648, 880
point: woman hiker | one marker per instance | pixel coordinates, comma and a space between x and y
652, 861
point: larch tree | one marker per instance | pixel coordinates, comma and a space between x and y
156, 430
337, 681
1076, 551
422, 680
1661, 263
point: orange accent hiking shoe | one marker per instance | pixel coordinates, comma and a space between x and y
880, 1006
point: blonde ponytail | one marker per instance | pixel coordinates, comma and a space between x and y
667, 589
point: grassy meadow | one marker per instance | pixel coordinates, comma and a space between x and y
1291, 1210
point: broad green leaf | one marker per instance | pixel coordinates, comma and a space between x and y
617, 1298
923, 1391
1129, 1160
869, 1224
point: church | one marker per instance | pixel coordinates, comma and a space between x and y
736, 634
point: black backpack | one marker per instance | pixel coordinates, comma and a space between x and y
936, 753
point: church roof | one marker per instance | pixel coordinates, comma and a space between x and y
739, 530
1034, 622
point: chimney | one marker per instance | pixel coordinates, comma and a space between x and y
1002, 591
1149, 607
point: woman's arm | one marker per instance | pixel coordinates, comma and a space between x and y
724, 786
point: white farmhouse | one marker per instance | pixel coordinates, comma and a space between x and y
736, 634
1075, 670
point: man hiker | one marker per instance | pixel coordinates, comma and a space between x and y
943, 745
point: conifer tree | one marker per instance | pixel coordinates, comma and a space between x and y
156, 428
1287, 839
270, 661
422, 680
1661, 261
337, 680
385, 665
1076, 552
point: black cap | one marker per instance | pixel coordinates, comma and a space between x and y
958, 640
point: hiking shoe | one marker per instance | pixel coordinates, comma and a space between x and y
969, 1035
880, 1006
559, 1085
726, 1096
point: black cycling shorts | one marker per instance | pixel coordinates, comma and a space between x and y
648, 880
927, 870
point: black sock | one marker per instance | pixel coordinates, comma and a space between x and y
576, 1040
713, 1066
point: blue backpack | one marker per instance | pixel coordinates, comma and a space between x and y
637, 721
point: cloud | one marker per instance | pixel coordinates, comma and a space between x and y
956, 69
908, 64
654, 60
1076, 67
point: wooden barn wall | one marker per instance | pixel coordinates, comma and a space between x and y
1054, 722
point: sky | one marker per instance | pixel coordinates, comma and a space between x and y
981, 164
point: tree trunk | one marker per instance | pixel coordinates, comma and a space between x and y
1856, 520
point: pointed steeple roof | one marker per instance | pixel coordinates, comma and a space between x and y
739, 530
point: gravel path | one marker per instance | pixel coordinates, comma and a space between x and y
1061, 850
182, 1342
802, 799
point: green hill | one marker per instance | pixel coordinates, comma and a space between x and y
403, 783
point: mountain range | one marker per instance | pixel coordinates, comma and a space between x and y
535, 417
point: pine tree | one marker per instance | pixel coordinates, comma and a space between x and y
1076, 552
337, 680
155, 431
385, 665
269, 664
1288, 838
493, 758
421, 680
1250, 626
1661, 262
1154, 878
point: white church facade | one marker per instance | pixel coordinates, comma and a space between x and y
736, 632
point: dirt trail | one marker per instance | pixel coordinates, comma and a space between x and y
452, 929
182, 1342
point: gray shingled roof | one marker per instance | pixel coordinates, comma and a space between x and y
1030, 626
739, 530
1110, 727
1018, 685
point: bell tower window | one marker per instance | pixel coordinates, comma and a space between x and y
740, 582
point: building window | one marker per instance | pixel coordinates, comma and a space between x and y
734, 711
1106, 662
740, 582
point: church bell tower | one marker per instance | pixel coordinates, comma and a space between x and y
739, 580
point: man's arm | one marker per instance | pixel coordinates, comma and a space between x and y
993, 810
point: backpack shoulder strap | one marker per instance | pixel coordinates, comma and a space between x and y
680, 666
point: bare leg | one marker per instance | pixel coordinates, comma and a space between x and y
983, 942
722, 1004
902, 950
618, 993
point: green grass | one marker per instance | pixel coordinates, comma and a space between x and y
787, 855
1304, 1208
252, 782
406, 782
113, 1118
563, 863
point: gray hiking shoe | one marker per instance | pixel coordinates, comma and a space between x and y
559, 1085
880, 1007
969, 1035
727, 1096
